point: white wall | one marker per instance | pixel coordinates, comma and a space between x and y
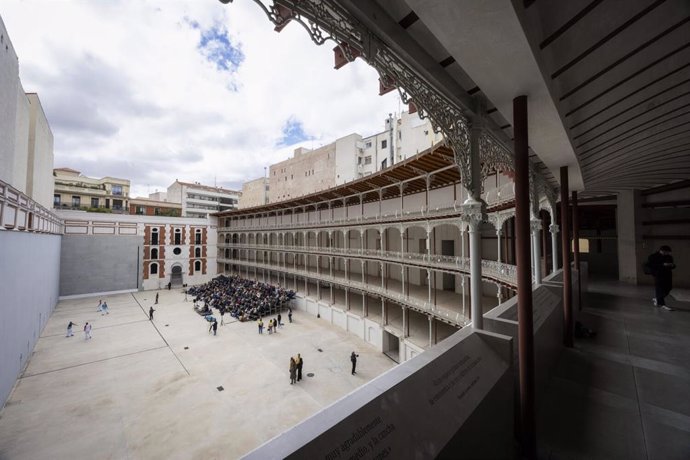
9, 84
40, 183
21, 141
26, 301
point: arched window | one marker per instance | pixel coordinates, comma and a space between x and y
154, 269
154, 236
197, 236
178, 236
197, 266
154, 253
197, 252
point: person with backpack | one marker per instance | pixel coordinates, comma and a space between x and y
659, 265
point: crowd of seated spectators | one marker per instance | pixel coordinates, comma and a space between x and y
243, 299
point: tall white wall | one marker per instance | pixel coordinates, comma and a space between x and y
30, 274
21, 141
40, 183
9, 84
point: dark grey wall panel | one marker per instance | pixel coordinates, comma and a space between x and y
91, 264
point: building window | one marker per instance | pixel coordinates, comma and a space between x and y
154, 253
117, 205
367, 145
117, 189
56, 200
197, 252
178, 236
197, 266
139, 210
367, 160
154, 236
76, 201
384, 144
94, 202
197, 236
177, 251
384, 163
156, 211
153, 269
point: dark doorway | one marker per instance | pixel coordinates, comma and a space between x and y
176, 277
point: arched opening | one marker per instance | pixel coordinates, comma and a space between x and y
154, 253
176, 276
153, 269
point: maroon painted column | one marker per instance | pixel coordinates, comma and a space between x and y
524, 280
576, 248
565, 249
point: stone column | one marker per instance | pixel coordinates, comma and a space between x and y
431, 330
405, 320
553, 229
499, 232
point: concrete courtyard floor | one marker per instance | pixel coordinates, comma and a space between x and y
143, 389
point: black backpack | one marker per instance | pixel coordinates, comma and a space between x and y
647, 268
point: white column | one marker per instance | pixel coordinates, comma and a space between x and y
499, 294
499, 233
553, 228
536, 250
473, 214
431, 330
428, 281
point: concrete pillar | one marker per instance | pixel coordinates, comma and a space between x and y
405, 320
347, 298
553, 229
629, 229
499, 233
476, 272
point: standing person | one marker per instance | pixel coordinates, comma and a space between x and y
279, 320
353, 359
261, 326
222, 313
660, 264
270, 326
300, 363
69, 329
105, 308
151, 310
169, 285
156, 298
214, 327
87, 331
275, 326
293, 370
100, 305
290, 314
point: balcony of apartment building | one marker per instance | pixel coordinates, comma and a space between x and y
91, 197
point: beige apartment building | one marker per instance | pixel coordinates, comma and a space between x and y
346, 159
76, 191
200, 200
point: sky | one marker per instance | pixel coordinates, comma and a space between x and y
196, 90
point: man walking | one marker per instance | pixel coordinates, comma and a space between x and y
261, 326
100, 305
87, 331
353, 359
660, 264
151, 310
156, 298
290, 314
279, 320
105, 309
300, 362
69, 329
214, 327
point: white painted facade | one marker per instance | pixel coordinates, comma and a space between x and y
98, 225
346, 159
26, 141
202, 200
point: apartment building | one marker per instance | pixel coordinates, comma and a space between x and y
73, 190
153, 207
346, 159
199, 200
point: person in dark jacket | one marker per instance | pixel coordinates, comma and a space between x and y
353, 359
661, 263
300, 362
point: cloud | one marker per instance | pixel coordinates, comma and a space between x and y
158, 90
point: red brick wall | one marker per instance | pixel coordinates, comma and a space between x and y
191, 267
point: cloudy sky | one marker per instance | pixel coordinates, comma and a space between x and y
195, 90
